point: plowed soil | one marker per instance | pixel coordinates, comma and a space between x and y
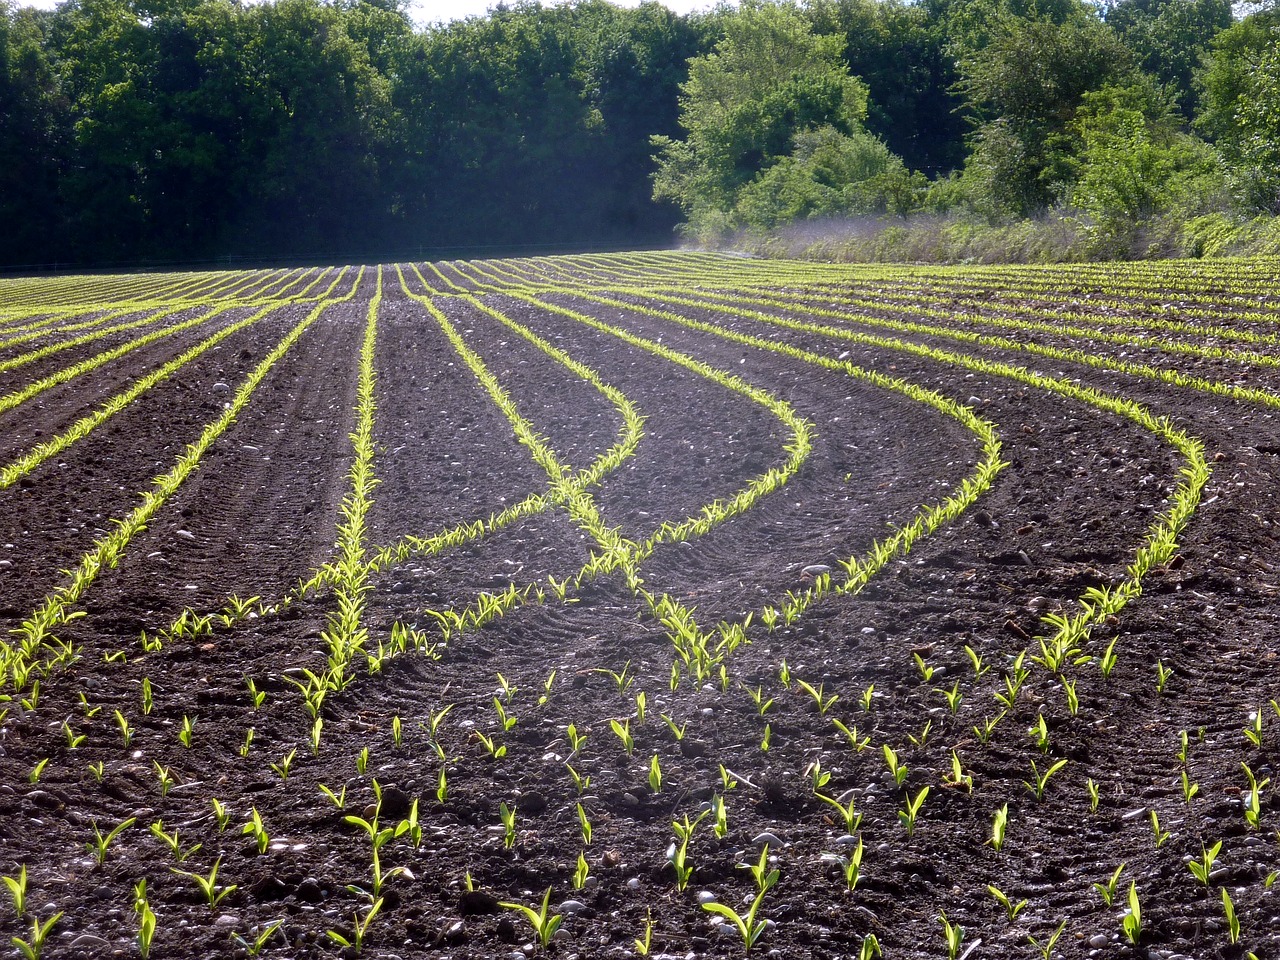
1079, 495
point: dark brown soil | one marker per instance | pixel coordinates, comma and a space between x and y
1078, 497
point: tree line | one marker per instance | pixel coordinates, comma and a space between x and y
196, 129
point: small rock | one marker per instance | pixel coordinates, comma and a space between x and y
633, 883
221, 387
456, 932
185, 535
1098, 941
572, 906
706, 896
395, 803
87, 941
310, 891
227, 920
815, 570
770, 838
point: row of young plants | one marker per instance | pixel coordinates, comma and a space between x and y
37, 650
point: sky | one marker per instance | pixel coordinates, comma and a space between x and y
430, 11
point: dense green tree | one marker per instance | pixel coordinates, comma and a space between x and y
35, 137
1024, 77
769, 79
1169, 38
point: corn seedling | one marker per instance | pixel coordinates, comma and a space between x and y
622, 679
34, 775
17, 887
623, 732
146, 929
679, 856
848, 816
818, 778
1011, 909
98, 769
870, 948
867, 696
585, 826
1108, 890
911, 812
317, 725
31, 949
362, 760
221, 815
763, 876
359, 929
255, 946
1131, 922
999, 825
286, 763
581, 872
1189, 789
543, 923
918, 741
1039, 781
641, 704
765, 740
1163, 674
953, 935
958, 778
1161, 836
645, 944
1200, 869
1233, 922
897, 769
576, 740
926, 671
255, 828
505, 720
102, 842
579, 781
1252, 798
677, 730
987, 729
495, 750
126, 731
171, 841
975, 659
953, 696
1046, 948
757, 696
1039, 733
748, 927
256, 695
1092, 789
1183, 747
720, 817
856, 740
822, 702
165, 776
208, 886
1107, 662
508, 817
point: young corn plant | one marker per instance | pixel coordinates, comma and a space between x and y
101, 842
1108, 890
1131, 922
679, 856
1040, 781
761, 873
31, 949
749, 928
1200, 869
359, 929
17, 887
848, 816
544, 924
999, 826
1046, 948
953, 935
1011, 908
208, 885
911, 811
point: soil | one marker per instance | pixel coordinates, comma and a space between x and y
1080, 492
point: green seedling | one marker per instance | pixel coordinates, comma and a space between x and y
359, 929
579, 781
165, 776
508, 817
148, 701
257, 830
1039, 733
677, 730
243, 749
186, 731
1200, 869
576, 740
1131, 922
1233, 922
1163, 674
581, 872
146, 929
255, 946
221, 815
1108, 661
544, 925
870, 948
953, 934
17, 887
926, 671
758, 698
362, 761
1011, 909
74, 740
286, 762
953, 696
766, 739
1092, 788
655, 775
645, 944
1046, 948
896, 768
919, 741
958, 778
987, 729
856, 740
911, 812
1039, 781
1252, 798
720, 817
1108, 890
1189, 789
98, 769
102, 842
848, 816
1161, 836
505, 720
495, 750
749, 928
34, 775
822, 702
867, 696
339, 799
585, 826
31, 949
126, 731
763, 876
208, 886
623, 732
172, 842
999, 825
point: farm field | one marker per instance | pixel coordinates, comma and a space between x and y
691, 603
